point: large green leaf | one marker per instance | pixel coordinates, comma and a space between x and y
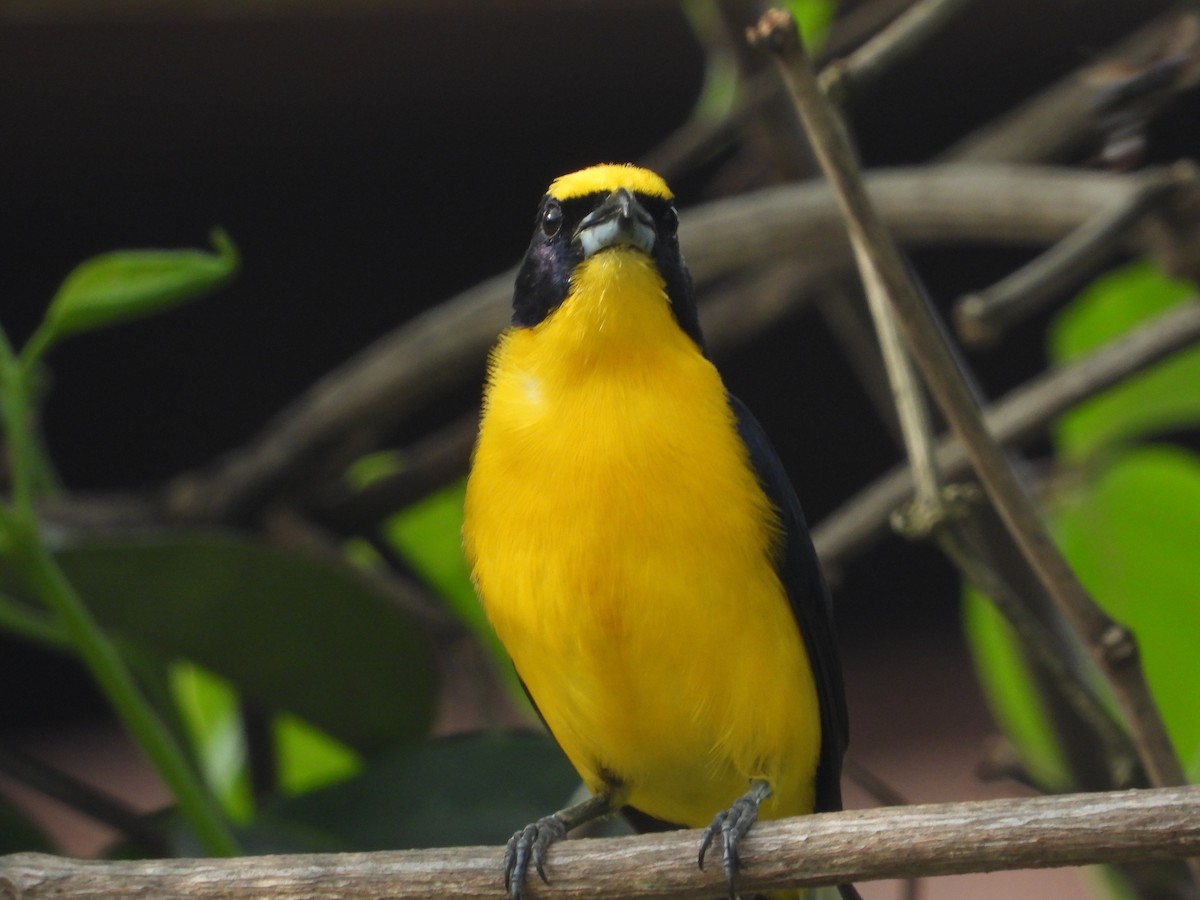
429, 535
1164, 398
465, 790
291, 632
1131, 535
1133, 538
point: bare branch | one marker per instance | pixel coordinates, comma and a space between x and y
907, 393
1014, 420
1056, 122
983, 316
1111, 646
832, 848
903, 37
947, 515
844, 311
32, 772
429, 464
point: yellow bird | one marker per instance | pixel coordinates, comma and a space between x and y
637, 544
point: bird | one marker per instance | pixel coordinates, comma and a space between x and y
638, 547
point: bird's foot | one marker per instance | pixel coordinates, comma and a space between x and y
527, 846
732, 824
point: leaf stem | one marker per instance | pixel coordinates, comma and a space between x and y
31, 624
25, 550
110, 672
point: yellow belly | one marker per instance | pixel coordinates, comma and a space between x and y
622, 549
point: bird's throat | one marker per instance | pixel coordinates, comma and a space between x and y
617, 305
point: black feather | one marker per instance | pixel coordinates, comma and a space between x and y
808, 594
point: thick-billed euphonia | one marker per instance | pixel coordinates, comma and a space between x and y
637, 544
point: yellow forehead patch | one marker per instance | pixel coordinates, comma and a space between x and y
609, 177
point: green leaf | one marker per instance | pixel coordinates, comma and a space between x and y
464, 790
814, 18
722, 79
1011, 692
306, 757
1163, 398
127, 284
209, 708
366, 470
1132, 537
289, 631
429, 535
309, 758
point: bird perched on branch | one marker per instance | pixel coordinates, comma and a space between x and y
637, 545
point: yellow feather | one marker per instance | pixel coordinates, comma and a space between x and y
607, 177
622, 548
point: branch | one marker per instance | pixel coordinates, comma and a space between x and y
842, 78
832, 848
445, 347
1014, 420
1056, 122
984, 315
1111, 646
944, 513
82, 797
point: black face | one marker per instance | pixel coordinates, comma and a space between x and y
553, 254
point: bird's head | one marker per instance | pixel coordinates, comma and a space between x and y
591, 218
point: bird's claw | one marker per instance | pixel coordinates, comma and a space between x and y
526, 846
732, 824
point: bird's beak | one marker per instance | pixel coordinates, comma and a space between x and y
619, 221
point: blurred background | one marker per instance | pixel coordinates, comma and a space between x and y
372, 159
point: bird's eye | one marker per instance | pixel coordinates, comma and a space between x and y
670, 222
552, 218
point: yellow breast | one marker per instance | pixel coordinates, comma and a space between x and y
622, 548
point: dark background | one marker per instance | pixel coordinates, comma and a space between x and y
371, 162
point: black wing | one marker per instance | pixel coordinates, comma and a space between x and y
808, 594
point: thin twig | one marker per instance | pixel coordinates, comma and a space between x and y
701, 137
845, 77
844, 312
907, 392
1112, 646
1045, 648
1058, 121
949, 519
1014, 420
946, 516
832, 848
431, 463
84, 798
433, 352
983, 316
